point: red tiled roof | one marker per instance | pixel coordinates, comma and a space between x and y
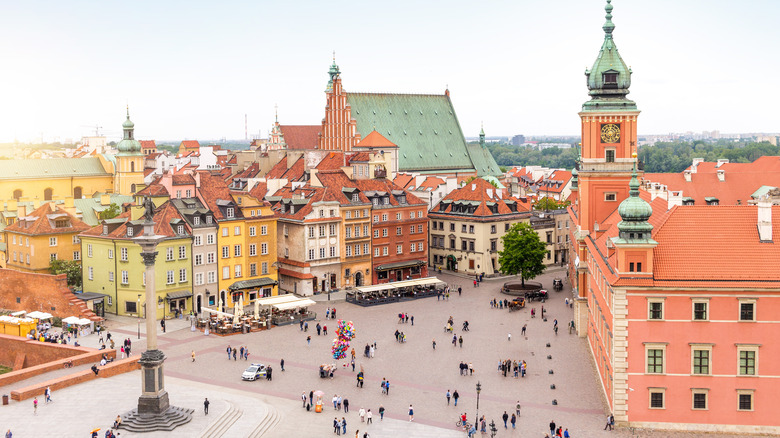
189, 144
332, 161
183, 180
249, 172
741, 180
154, 189
403, 179
431, 182
163, 216
301, 136
148, 144
555, 182
42, 223
375, 140
148, 171
360, 157
477, 191
294, 274
213, 188
259, 190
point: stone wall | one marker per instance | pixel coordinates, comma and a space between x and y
41, 292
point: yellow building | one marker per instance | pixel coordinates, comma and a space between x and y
262, 275
60, 178
48, 233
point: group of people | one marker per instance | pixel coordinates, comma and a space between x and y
403, 318
242, 353
125, 348
499, 304
400, 336
516, 367
330, 313
557, 431
466, 369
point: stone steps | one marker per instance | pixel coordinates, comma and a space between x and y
223, 423
272, 418
169, 420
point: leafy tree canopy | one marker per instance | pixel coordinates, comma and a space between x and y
71, 268
523, 252
111, 212
548, 203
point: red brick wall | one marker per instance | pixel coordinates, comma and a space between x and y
36, 353
41, 292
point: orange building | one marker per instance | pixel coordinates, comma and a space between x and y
678, 303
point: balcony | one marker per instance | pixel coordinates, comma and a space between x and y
380, 172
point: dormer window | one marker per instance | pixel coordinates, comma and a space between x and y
355, 197
196, 220
385, 200
402, 199
230, 212
129, 231
610, 79
208, 220
375, 201
105, 230
180, 229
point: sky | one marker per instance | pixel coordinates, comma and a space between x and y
194, 69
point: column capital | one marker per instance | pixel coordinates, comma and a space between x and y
149, 257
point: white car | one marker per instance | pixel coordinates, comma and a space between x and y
255, 371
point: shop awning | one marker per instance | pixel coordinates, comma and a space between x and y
39, 315
253, 283
270, 301
375, 288
305, 302
216, 312
178, 294
90, 296
400, 265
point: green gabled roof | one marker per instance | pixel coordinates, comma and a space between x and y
483, 160
51, 168
90, 207
424, 126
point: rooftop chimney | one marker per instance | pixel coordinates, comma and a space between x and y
721, 162
687, 175
721, 175
765, 219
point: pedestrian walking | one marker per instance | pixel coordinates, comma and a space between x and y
35, 406
460, 289
311, 397
336, 426
308, 340
455, 396
505, 417
241, 350
509, 336
387, 387
206, 404
47, 395
517, 408
552, 428
513, 420
610, 422
343, 425
460, 341
522, 331
345, 403
412, 319
193, 355
304, 398
246, 354
434, 344
229, 351
448, 397
281, 364
369, 417
411, 413
362, 415
381, 412
234, 353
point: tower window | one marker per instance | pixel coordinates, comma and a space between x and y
610, 78
610, 155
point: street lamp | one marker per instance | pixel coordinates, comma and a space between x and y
138, 309
493, 429
479, 389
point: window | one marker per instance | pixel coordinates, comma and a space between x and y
311, 231
237, 271
182, 252
452, 226
236, 231
398, 231
384, 232
492, 229
110, 254
322, 230
610, 196
76, 255
91, 273
333, 251
655, 358
264, 230
169, 254
463, 228
471, 245
745, 399
322, 253
284, 228
322, 213
237, 250
211, 258
398, 216
657, 398
357, 230
348, 251
199, 279
209, 220
411, 229
700, 310
493, 245
384, 251
198, 259
609, 155
196, 220
211, 277
747, 310
52, 241
225, 231
357, 249
365, 230
264, 268
655, 308
52, 256
748, 360
124, 277
131, 307
399, 249
180, 229
701, 359
225, 272
376, 218
252, 269
252, 231
699, 399
264, 248
332, 229
178, 194
376, 234
169, 277
123, 254
229, 212
210, 239
376, 252
252, 249
365, 249
384, 217
452, 243
197, 240
311, 254
348, 232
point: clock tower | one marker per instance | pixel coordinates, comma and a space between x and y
609, 135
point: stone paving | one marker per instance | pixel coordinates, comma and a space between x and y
418, 374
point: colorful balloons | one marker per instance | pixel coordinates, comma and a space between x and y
345, 331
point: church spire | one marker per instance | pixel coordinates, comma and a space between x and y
634, 212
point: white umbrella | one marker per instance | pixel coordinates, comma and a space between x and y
235, 313
241, 305
71, 320
257, 308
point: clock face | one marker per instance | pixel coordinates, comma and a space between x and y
610, 133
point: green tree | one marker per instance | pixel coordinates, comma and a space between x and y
111, 212
548, 203
71, 268
523, 252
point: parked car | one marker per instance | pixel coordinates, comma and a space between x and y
255, 371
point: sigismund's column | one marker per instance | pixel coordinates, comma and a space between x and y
154, 411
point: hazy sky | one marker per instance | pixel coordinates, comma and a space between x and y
193, 69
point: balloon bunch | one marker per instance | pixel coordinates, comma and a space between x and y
345, 331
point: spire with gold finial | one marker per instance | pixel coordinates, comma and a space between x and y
634, 212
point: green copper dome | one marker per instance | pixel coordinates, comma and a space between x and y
635, 212
333, 72
128, 145
610, 78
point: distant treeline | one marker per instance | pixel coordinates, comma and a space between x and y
662, 157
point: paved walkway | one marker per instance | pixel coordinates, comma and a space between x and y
418, 374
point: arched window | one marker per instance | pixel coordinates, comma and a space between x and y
132, 187
77, 192
132, 166
47, 194
17, 194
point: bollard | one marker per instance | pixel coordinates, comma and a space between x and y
551, 372
548, 345
552, 386
549, 356
555, 402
